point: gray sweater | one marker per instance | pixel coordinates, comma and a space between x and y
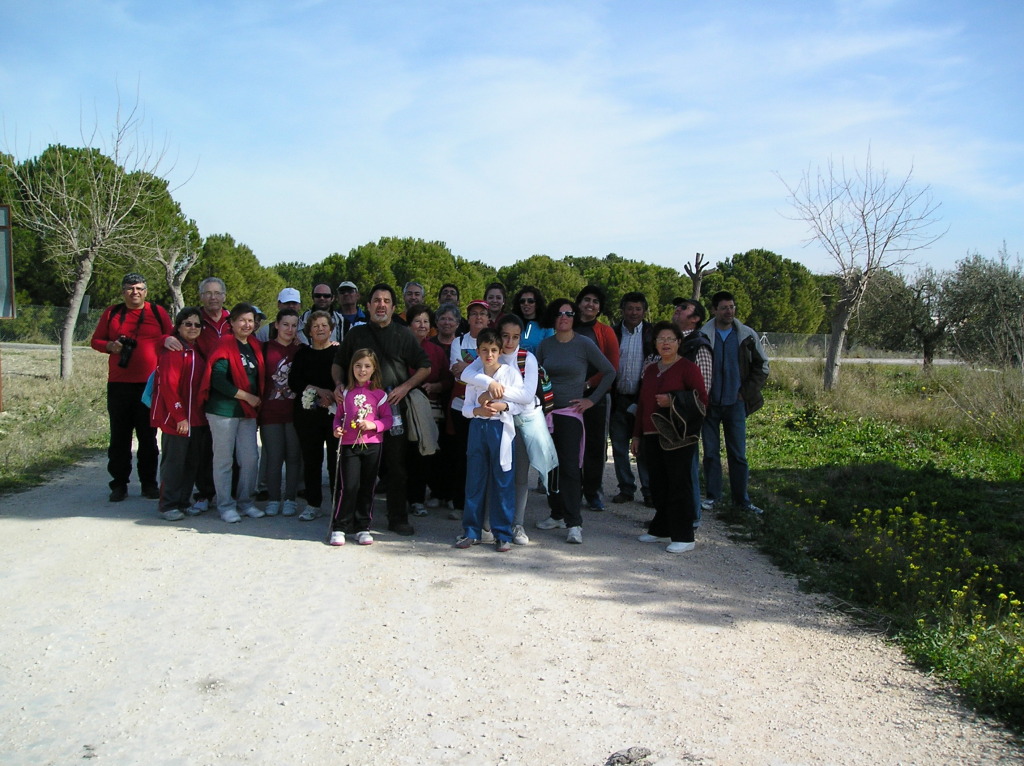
567, 363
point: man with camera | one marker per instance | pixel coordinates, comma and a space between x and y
131, 334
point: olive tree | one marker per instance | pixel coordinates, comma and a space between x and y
865, 220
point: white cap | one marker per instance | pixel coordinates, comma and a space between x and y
289, 295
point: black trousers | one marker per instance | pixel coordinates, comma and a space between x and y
359, 465
671, 490
565, 502
129, 415
595, 447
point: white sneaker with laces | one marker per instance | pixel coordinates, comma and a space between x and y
680, 547
486, 536
575, 535
364, 538
519, 535
230, 517
310, 513
337, 537
550, 523
199, 506
254, 513
707, 504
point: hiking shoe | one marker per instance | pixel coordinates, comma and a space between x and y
486, 536
337, 537
288, 508
623, 497
753, 508
519, 535
680, 547
199, 506
253, 512
402, 528
364, 538
312, 512
707, 504
575, 535
550, 523
647, 538
418, 509
466, 542
273, 508
117, 494
230, 517
151, 491
502, 546
172, 515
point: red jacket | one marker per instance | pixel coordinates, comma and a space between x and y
227, 349
176, 390
148, 326
212, 332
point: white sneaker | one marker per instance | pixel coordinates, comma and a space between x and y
230, 517
519, 535
172, 515
550, 523
288, 508
680, 547
199, 506
707, 504
273, 508
364, 538
418, 509
486, 536
254, 513
433, 503
310, 513
575, 535
337, 537
646, 538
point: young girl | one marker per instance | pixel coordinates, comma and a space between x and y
491, 437
360, 424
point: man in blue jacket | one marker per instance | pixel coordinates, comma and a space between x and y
740, 371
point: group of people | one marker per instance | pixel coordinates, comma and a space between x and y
446, 411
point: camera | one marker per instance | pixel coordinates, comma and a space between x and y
127, 349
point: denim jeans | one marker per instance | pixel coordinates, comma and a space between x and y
733, 419
620, 430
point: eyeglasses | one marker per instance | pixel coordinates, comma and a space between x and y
322, 295
527, 300
672, 339
192, 324
569, 314
211, 293
479, 314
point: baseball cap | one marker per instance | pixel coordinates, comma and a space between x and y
471, 304
289, 295
347, 286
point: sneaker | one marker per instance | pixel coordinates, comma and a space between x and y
550, 523
312, 512
433, 503
273, 508
646, 538
199, 506
288, 508
486, 536
254, 513
502, 546
623, 497
230, 517
151, 491
403, 528
418, 509
519, 535
337, 537
575, 535
753, 508
466, 542
707, 504
172, 515
680, 547
117, 494
454, 514
595, 503
364, 538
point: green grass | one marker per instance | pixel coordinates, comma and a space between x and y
908, 508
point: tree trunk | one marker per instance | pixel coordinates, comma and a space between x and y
834, 352
67, 332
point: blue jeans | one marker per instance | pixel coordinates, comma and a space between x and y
620, 430
733, 419
488, 486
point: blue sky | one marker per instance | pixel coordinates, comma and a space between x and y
648, 129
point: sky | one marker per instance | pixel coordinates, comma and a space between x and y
653, 130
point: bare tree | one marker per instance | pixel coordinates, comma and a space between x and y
866, 221
696, 273
88, 205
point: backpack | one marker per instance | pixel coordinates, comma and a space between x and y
545, 395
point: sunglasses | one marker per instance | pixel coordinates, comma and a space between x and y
322, 295
527, 300
192, 324
569, 314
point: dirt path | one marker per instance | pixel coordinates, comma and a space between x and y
134, 641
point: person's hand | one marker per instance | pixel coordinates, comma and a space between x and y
397, 394
457, 369
182, 427
581, 405
171, 343
663, 400
338, 432
634, 445
325, 396
496, 390
251, 399
367, 425
114, 347
339, 394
